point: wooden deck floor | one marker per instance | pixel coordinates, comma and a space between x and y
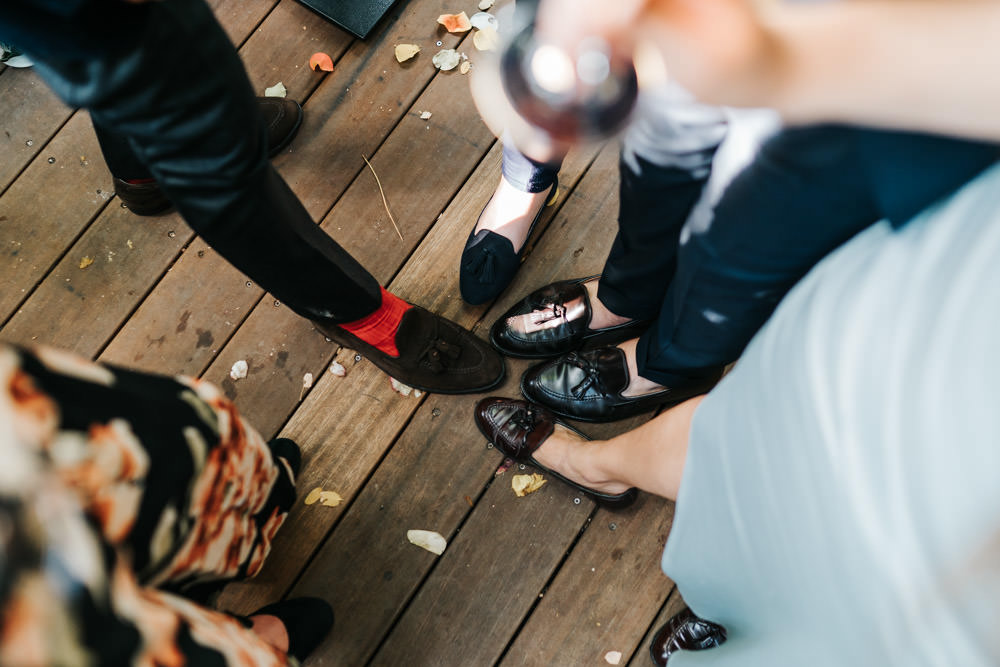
543, 580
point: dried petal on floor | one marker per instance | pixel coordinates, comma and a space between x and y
483, 20
464, 67
320, 60
313, 496
330, 498
525, 484
455, 22
425, 115
446, 59
427, 539
277, 90
504, 467
399, 387
485, 4
406, 51
239, 370
85, 262
307, 380
613, 657
338, 369
487, 39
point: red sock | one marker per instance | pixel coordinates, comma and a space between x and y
379, 328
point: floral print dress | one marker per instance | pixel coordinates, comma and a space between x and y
120, 494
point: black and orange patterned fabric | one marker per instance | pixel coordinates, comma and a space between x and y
120, 493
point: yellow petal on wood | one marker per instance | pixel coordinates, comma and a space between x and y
330, 498
464, 67
486, 39
525, 484
85, 262
313, 496
427, 539
406, 51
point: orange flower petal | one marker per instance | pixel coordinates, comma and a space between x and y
455, 22
321, 61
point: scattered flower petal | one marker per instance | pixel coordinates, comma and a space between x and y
464, 67
399, 387
85, 262
446, 59
455, 22
406, 51
338, 369
425, 115
330, 498
239, 370
320, 60
504, 467
525, 484
613, 657
486, 39
277, 90
485, 4
427, 539
307, 380
313, 496
483, 20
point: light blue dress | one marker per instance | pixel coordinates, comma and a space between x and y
840, 503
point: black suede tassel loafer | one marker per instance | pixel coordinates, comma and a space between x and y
518, 428
282, 118
489, 262
435, 355
684, 632
307, 621
554, 320
588, 386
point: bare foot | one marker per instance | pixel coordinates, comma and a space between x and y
272, 630
572, 457
637, 385
511, 211
600, 316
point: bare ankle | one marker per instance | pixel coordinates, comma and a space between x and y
601, 317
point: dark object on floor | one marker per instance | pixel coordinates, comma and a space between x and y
357, 17
588, 386
283, 118
518, 428
684, 632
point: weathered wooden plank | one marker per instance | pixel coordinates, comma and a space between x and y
675, 603
32, 115
48, 206
96, 284
605, 594
239, 18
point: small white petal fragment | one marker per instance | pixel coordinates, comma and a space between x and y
483, 20
330, 498
525, 484
406, 51
446, 59
313, 496
425, 115
277, 90
485, 4
399, 387
486, 39
239, 370
464, 67
427, 539
338, 369
307, 380
613, 657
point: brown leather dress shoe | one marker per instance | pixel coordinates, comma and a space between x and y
282, 118
435, 355
588, 386
684, 632
518, 428
554, 320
